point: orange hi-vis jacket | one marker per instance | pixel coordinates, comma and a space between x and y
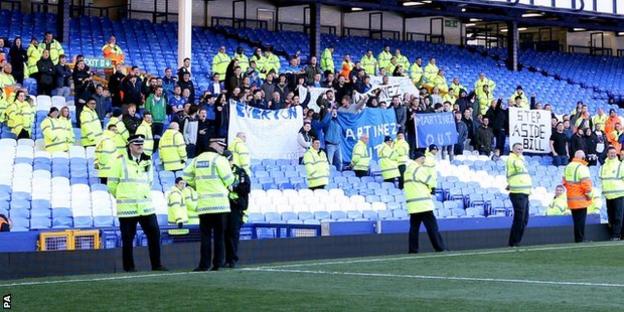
578, 184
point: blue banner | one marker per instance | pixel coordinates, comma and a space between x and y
435, 128
375, 122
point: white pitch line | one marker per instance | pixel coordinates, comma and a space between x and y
97, 279
444, 255
446, 278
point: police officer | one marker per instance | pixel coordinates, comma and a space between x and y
418, 190
130, 183
210, 175
360, 158
519, 187
612, 177
317, 166
387, 163
239, 199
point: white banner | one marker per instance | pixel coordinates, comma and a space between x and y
531, 128
271, 134
405, 85
315, 93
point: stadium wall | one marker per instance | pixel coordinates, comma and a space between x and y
185, 256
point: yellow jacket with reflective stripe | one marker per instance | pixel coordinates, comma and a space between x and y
403, 61
34, 55
524, 103
172, 150
54, 135
6, 80
383, 59
121, 127
416, 74
243, 61
317, 167
21, 116
272, 62
600, 121
369, 64
146, 130
220, 63
389, 167
130, 183
360, 158
480, 83
430, 166
518, 177
190, 200
90, 127
4, 104
417, 188
457, 88
596, 203
431, 72
240, 154
176, 211
401, 152
69, 130
105, 153
210, 174
260, 63
612, 177
327, 61
56, 50
440, 82
558, 207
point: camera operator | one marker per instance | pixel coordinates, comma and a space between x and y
83, 86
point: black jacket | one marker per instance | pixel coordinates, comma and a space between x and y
63, 73
46, 72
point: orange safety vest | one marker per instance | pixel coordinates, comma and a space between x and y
578, 186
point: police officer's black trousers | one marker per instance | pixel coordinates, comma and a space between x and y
579, 216
615, 210
211, 226
401, 171
128, 227
431, 224
361, 173
520, 203
232, 233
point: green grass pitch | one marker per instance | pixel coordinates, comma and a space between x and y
584, 277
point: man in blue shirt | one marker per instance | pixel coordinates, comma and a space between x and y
333, 138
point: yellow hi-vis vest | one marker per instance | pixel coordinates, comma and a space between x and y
260, 63
360, 158
369, 64
240, 154
612, 177
401, 152
596, 203
430, 165
105, 153
66, 123
389, 167
403, 61
130, 183
34, 55
243, 61
480, 83
417, 188
54, 135
190, 200
559, 206
272, 62
56, 50
21, 117
518, 177
327, 61
172, 150
121, 127
383, 59
431, 71
176, 212
210, 174
317, 167
4, 105
90, 127
220, 63
145, 129
416, 74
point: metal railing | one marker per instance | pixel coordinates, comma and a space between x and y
305, 28
14, 5
590, 50
238, 22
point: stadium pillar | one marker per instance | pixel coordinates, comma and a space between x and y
62, 20
185, 27
315, 29
513, 39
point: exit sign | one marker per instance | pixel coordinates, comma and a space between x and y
450, 23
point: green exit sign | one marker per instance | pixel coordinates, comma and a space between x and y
98, 62
450, 23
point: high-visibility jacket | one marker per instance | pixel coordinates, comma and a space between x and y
327, 61
4, 104
390, 68
190, 199
578, 184
485, 100
600, 121
21, 116
457, 88
130, 183
383, 59
272, 62
401, 152
317, 167
480, 83
6, 80
596, 203
56, 50
34, 55
346, 69
148, 144
417, 188
260, 63
240, 154
524, 103
416, 75
220, 63
54, 135
558, 207
114, 53
612, 178
518, 178
403, 61
176, 212
210, 174
389, 167
430, 166
448, 98
360, 158
106, 152
121, 127
431, 71
66, 123
440, 82
90, 127
172, 150
369, 64
243, 61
